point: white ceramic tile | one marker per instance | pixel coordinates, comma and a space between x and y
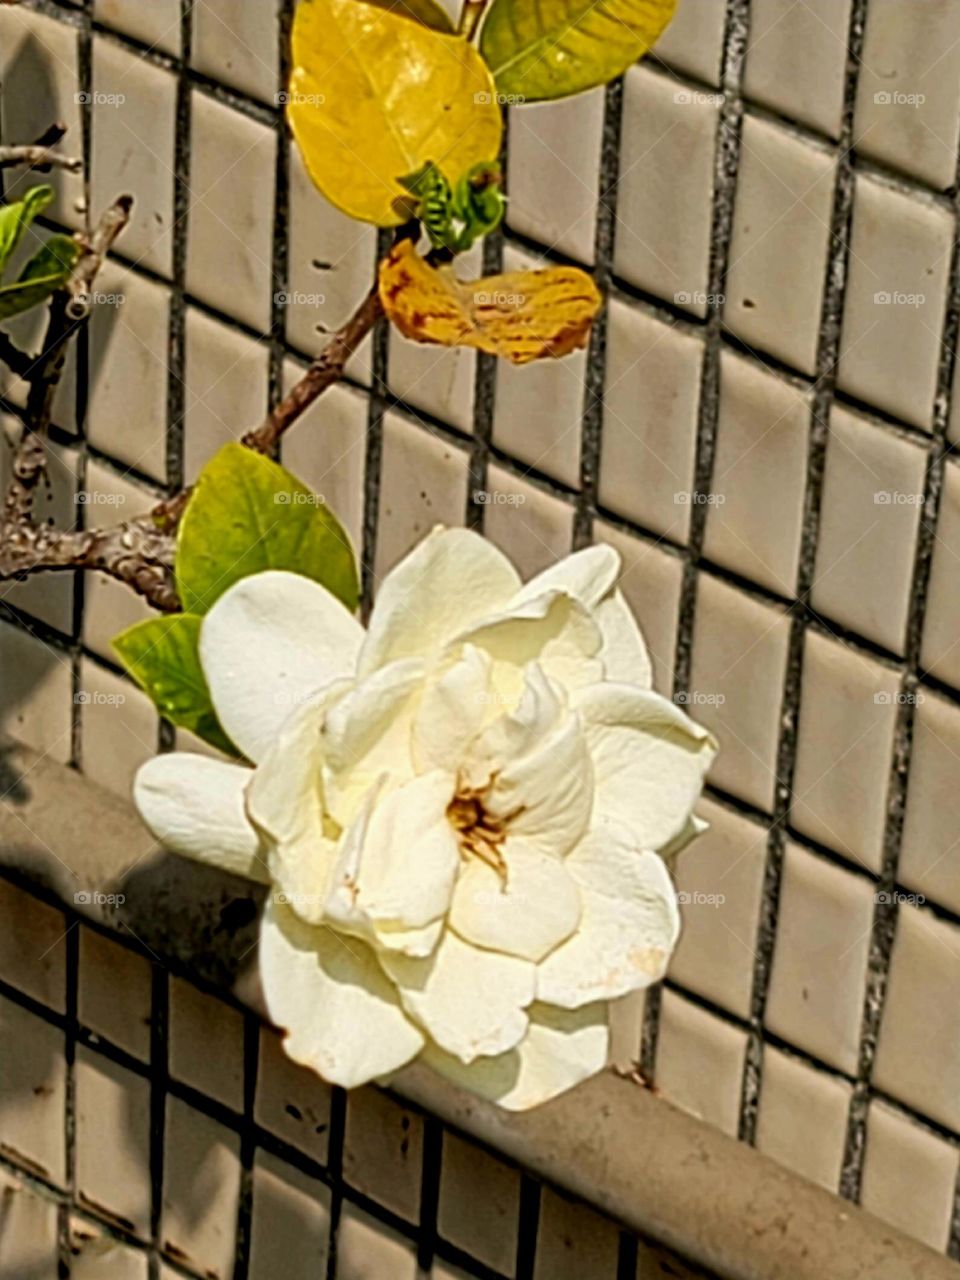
779, 245
802, 1120
844, 748
664, 195
896, 292
941, 633
38, 707
237, 45
134, 127
869, 516
693, 41
796, 59
650, 419
700, 1062
230, 221
555, 147
818, 978
156, 24
755, 521
528, 523
909, 1176
332, 259
40, 77
908, 91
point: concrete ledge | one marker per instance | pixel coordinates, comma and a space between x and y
661, 1172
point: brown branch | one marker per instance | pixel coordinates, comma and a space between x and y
133, 553
323, 373
39, 157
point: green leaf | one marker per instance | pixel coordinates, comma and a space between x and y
557, 47
48, 270
16, 217
162, 656
248, 514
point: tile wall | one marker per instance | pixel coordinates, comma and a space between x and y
764, 427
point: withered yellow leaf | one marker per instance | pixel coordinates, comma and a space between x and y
375, 96
520, 315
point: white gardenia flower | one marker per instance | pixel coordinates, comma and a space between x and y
461, 812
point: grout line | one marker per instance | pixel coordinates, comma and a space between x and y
159, 1079
595, 373
248, 1145
338, 1120
485, 377
279, 267
726, 164
378, 398
429, 1192
177, 343
828, 348
530, 1193
72, 956
887, 907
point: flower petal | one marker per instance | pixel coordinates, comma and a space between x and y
451, 579
552, 629
366, 736
453, 708
399, 861
546, 796
341, 1013
193, 804
285, 803
534, 911
629, 927
587, 575
269, 642
649, 760
561, 1048
470, 1002
624, 654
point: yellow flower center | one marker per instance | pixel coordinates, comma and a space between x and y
479, 833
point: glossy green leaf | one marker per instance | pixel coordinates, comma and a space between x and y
557, 47
48, 270
248, 514
162, 656
16, 217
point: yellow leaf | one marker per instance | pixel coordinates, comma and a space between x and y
520, 315
557, 47
374, 96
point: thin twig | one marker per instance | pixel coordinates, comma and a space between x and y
470, 17
41, 158
323, 373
